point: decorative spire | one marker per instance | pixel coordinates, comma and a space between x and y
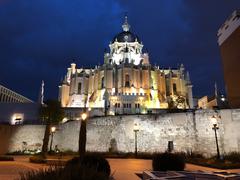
188, 80
216, 90
41, 94
125, 25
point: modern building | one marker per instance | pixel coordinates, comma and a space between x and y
216, 101
7, 95
19, 113
213, 102
126, 83
16, 109
229, 43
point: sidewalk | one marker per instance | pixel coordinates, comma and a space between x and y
122, 169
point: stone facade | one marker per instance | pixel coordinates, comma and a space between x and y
126, 83
189, 132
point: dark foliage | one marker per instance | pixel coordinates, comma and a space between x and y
76, 172
233, 157
88, 167
91, 161
37, 159
6, 158
168, 161
51, 113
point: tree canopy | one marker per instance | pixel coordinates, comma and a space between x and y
51, 112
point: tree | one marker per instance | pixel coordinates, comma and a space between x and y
51, 113
176, 102
83, 134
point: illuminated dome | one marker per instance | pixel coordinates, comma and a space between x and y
126, 35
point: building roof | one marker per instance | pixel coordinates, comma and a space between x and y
10, 93
126, 36
228, 27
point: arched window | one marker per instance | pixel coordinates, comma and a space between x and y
127, 82
79, 88
102, 85
174, 88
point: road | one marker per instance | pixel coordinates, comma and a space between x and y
122, 169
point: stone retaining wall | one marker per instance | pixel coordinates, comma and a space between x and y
188, 131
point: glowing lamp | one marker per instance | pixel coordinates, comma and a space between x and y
135, 127
53, 129
84, 116
214, 119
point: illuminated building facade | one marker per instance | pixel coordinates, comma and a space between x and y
126, 83
229, 43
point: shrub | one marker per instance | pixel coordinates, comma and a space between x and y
37, 159
195, 156
233, 157
168, 161
60, 173
16, 153
6, 158
88, 167
91, 161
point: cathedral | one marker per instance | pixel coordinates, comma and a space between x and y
126, 83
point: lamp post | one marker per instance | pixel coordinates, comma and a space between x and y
215, 128
83, 134
136, 129
53, 130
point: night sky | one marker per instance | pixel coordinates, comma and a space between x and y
39, 39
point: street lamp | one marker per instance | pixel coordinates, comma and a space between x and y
53, 130
84, 116
136, 129
215, 127
83, 134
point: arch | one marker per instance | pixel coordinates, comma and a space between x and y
102, 82
127, 80
79, 88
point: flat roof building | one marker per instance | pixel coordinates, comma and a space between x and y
7, 95
16, 109
229, 43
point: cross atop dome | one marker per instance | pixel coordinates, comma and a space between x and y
125, 25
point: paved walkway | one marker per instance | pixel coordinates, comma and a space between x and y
122, 169
10, 170
125, 169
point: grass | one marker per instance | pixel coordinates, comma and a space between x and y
229, 161
215, 163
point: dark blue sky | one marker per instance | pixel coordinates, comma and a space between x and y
39, 39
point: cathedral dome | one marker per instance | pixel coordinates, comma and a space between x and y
126, 35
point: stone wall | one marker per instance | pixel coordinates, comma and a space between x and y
188, 131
